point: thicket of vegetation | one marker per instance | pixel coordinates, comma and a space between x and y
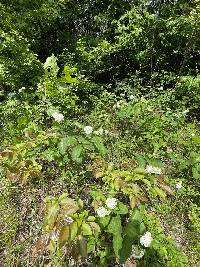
99, 147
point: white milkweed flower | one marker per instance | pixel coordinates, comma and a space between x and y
58, 116
102, 212
111, 203
131, 97
146, 239
151, 169
21, 89
88, 129
69, 219
118, 104
179, 185
137, 252
122, 95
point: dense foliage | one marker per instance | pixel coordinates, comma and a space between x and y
99, 151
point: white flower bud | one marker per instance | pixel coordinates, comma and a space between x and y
102, 212
88, 129
146, 239
111, 203
58, 116
179, 185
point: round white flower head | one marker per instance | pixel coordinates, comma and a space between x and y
122, 95
179, 185
58, 116
118, 104
88, 129
21, 89
102, 212
69, 219
131, 97
146, 239
111, 203
137, 252
151, 169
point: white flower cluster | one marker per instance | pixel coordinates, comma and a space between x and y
21, 89
179, 185
146, 239
88, 129
58, 116
102, 212
111, 204
118, 104
137, 252
155, 170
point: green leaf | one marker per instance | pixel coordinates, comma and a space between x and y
52, 215
91, 245
82, 243
69, 206
139, 170
158, 192
65, 142
67, 233
95, 228
122, 208
86, 229
131, 234
76, 152
73, 228
99, 145
51, 65
117, 244
115, 228
64, 235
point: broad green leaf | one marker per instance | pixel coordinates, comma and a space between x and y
122, 208
69, 206
51, 65
104, 221
64, 235
95, 228
76, 152
73, 230
99, 144
91, 245
86, 229
158, 192
131, 234
115, 228
52, 215
82, 243
139, 170
65, 142
117, 244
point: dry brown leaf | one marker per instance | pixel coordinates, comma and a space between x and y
167, 189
